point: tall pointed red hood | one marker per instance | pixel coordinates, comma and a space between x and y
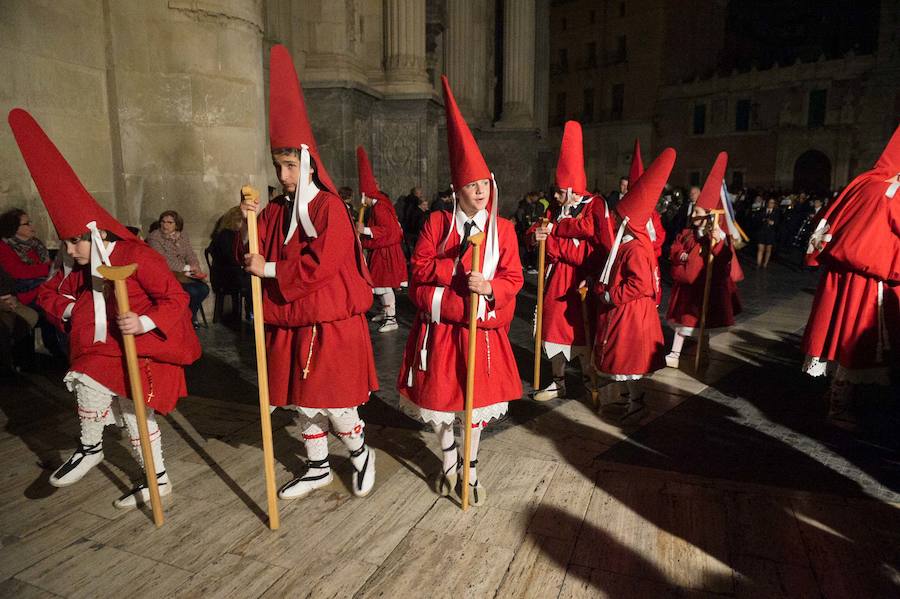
466, 162
570, 167
889, 161
368, 185
641, 199
711, 195
69, 204
637, 164
289, 125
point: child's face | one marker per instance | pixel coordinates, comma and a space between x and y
79, 249
287, 169
474, 196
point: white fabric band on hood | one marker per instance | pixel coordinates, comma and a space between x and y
304, 194
610, 260
892, 189
99, 255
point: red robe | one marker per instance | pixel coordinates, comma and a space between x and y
442, 385
153, 292
689, 279
562, 319
844, 323
387, 263
629, 338
317, 338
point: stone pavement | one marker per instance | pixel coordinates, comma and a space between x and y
733, 484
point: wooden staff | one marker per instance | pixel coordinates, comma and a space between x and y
706, 285
360, 217
542, 258
262, 371
118, 275
476, 241
589, 342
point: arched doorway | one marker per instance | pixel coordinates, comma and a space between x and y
812, 172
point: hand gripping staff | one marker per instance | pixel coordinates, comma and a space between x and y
542, 259
262, 370
118, 275
476, 241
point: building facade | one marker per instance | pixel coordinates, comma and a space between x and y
161, 104
809, 125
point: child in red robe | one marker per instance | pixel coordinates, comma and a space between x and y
316, 291
629, 340
383, 237
688, 257
77, 301
562, 320
432, 376
853, 332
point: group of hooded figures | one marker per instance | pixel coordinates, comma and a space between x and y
601, 300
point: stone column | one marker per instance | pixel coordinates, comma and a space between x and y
405, 48
518, 65
459, 16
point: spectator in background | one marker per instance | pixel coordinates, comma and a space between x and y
346, 194
443, 201
406, 204
23, 256
615, 196
27, 261
226, 273
527, 213
170, 240
416, 222
766, 232
16, 322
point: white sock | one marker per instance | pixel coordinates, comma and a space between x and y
127, 407
449, 453
349, 429
677, 344
94, 413
388, 303
315, 440
473, 453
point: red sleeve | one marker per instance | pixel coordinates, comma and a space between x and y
322, 258
580, 227
14, 267
56, 293
635, 279
427, 267
385, 227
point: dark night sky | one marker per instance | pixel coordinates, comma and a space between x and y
763, 32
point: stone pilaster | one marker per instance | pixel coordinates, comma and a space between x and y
405, 63
518, 65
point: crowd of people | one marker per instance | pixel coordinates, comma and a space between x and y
321, 262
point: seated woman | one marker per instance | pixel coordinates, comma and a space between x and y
170, 240
27, 261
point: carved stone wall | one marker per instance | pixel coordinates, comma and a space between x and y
157, 104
